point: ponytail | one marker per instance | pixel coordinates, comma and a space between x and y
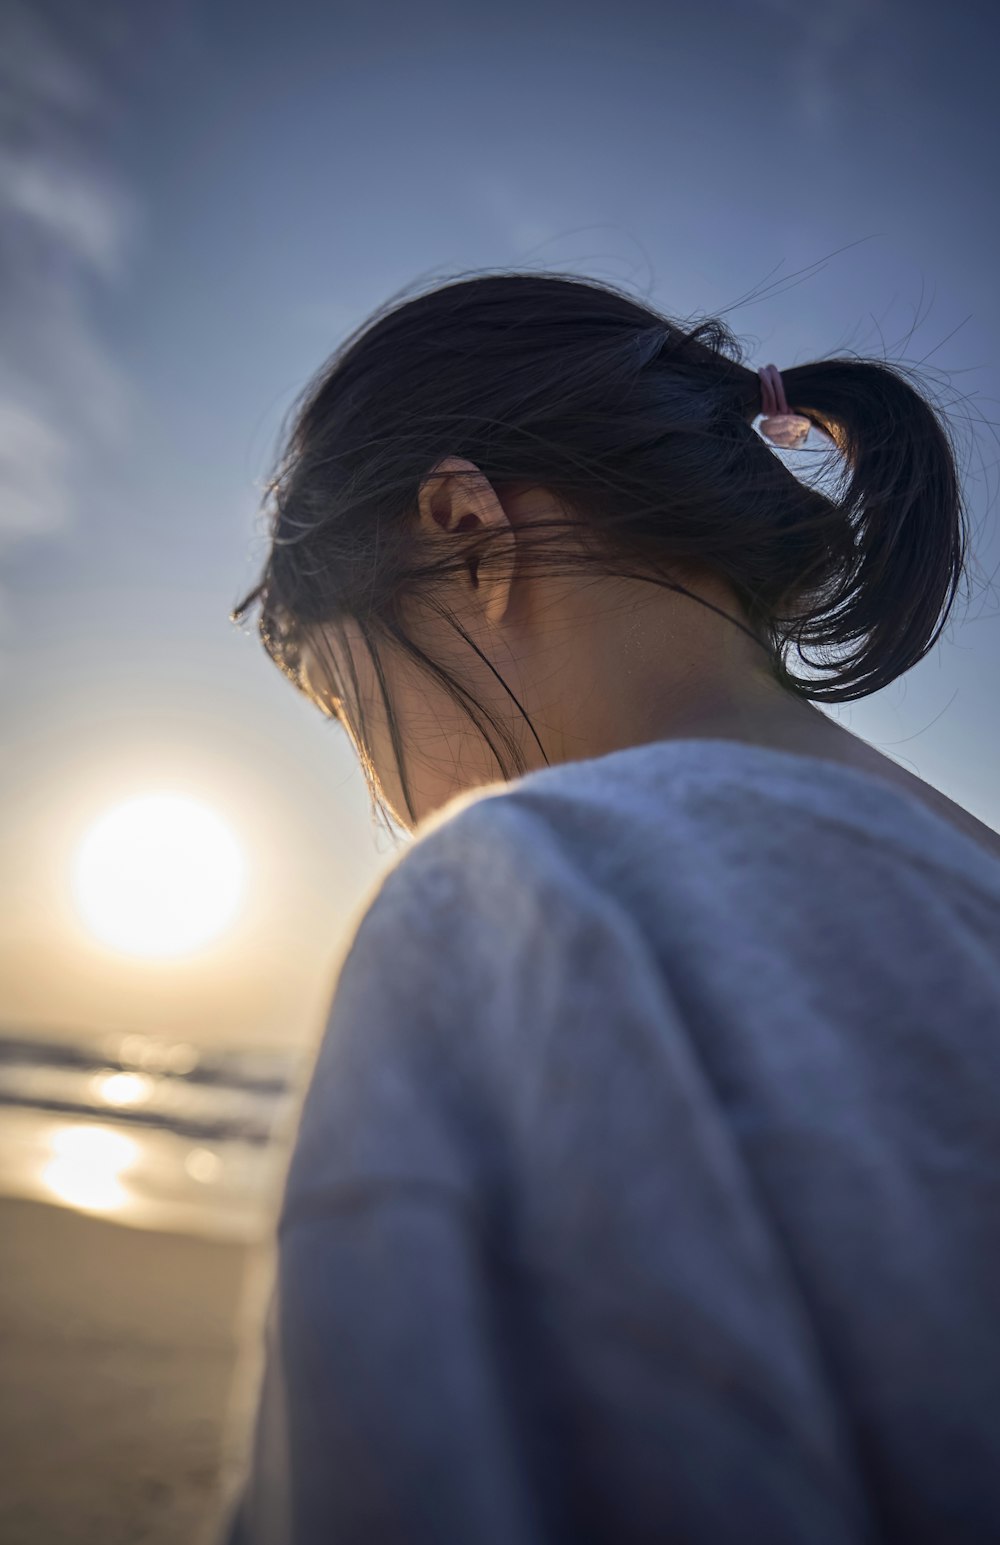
894, 578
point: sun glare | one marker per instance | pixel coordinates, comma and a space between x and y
159, 875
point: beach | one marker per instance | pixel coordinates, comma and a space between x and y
130, 1359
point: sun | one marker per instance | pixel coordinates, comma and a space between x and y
159, 875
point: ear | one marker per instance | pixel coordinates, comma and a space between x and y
465, 506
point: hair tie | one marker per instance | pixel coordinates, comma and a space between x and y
781, 426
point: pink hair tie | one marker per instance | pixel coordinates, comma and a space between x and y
781, 426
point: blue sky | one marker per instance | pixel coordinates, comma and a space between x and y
198, 201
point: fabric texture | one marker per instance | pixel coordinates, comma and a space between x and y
647, 1184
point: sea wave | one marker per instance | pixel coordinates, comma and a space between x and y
153, 1131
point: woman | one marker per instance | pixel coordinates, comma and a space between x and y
646, 1184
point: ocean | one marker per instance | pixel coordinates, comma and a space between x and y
147, 1131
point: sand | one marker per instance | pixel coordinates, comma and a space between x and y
129, 1365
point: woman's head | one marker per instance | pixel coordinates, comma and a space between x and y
506, 503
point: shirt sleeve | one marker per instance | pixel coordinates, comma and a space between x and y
382, 1412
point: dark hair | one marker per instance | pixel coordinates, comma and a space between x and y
645, 427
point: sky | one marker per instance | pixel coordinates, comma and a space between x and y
197, 202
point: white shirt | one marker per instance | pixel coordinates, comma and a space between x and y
647, 1187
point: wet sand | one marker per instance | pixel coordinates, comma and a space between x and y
129, 1360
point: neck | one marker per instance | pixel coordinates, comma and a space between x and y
669, 668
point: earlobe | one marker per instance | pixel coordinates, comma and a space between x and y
494, 595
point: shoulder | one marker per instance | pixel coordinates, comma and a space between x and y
450, 974
494, 854
485, 910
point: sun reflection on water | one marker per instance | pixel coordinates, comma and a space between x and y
202, 1164
147, 1132
87, 1165
122, 1089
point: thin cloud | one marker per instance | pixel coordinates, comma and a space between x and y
33, 473
65, 223
827, 55
80, 211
